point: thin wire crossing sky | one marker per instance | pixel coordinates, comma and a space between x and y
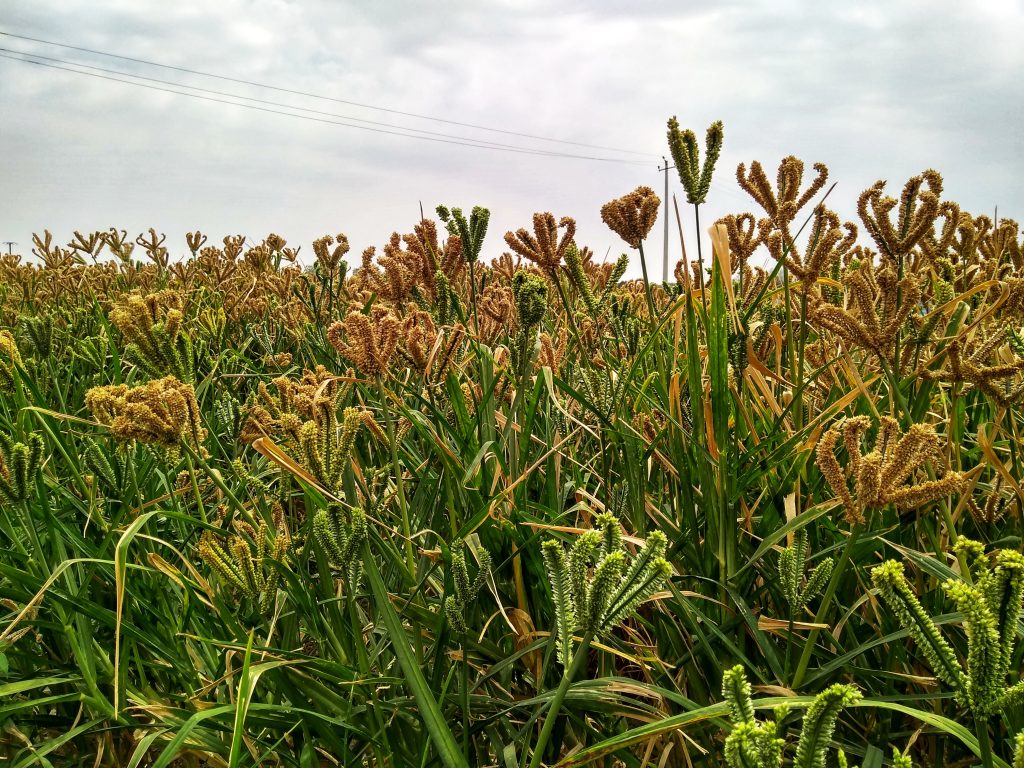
872, 89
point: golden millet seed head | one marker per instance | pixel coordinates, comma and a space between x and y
632, 216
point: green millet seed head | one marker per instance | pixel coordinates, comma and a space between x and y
789, 575
603, 587
820, 722
621, 264
531, 298
892, 585
737, 693
574, 266
483, 571
454, 613
983, 656
19, 465
611, 533
973, 553
556, 563
696, 180
109, 473
1018, 751
471, 233
341, 535
754, 744
817, 580
460, 575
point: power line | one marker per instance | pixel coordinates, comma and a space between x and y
323, 98
482, 142
479, 144
407, 131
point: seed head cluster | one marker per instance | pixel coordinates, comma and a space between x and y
632, 216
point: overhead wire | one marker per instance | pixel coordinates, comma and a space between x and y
310, 95
379, 127
278, 104
412, 133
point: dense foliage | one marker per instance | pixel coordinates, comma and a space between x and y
442, 508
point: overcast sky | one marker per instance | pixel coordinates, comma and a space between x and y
873, 89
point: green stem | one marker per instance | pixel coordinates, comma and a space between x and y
983, 742
363, 660
465, 697
700, 254
472, 288
798, 413
568, 308
396, 468
789, 645
826, 603
195, 487
798, 408
578, 661
647, 287
509, 434
900, 411
207, 470
659, 359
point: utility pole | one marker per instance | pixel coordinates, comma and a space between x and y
664, 258
9, 244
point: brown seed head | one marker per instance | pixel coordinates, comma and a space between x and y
543, 247
162, 412
632, 216
369, 341
880, 477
